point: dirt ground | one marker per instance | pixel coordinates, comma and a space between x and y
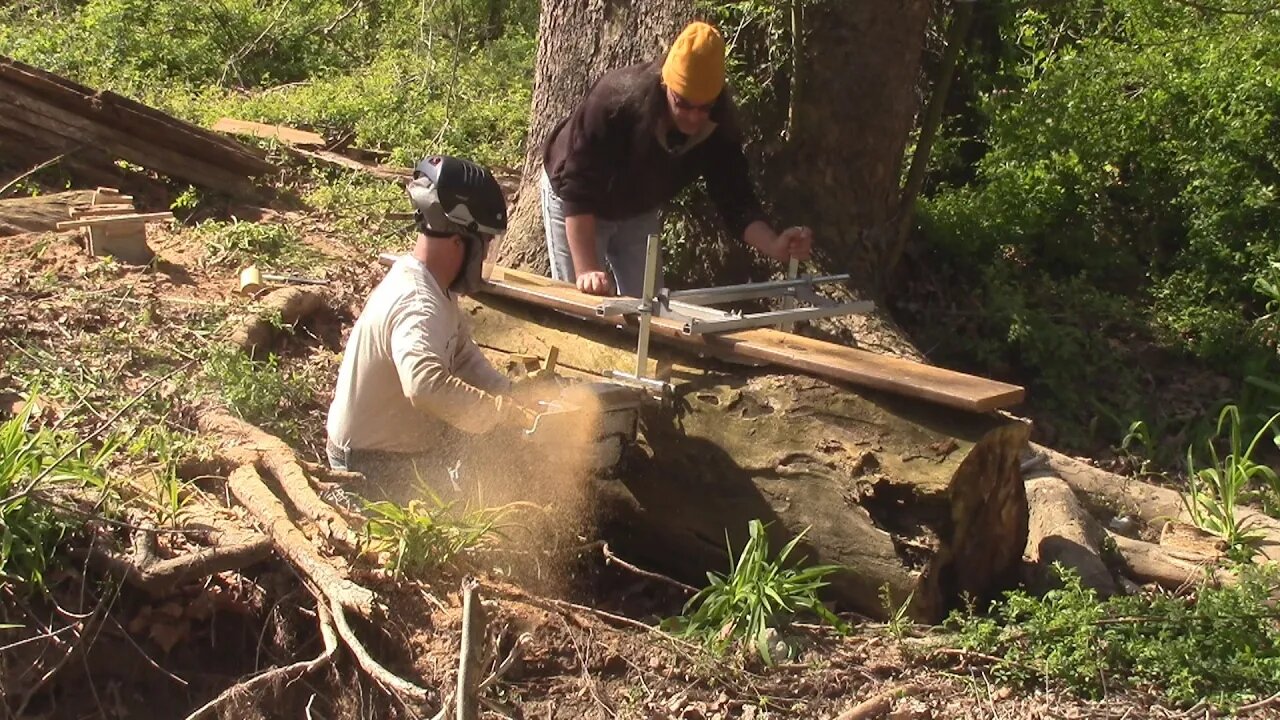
589, 648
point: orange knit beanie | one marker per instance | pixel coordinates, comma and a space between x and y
694, 69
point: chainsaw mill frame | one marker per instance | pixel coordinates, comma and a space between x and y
687, 308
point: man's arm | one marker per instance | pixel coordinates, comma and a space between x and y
591, 277
419, 346
729, 185
597, 132
473, 367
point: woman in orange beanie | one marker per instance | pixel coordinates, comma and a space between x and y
642, 134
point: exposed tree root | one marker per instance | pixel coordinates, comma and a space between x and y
162, 576
245, 444
247, 487
293, 305
328, 583
1148, 562
1061, 531
1153, 504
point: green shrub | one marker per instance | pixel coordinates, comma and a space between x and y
1221, 644
1123, 188
35, 463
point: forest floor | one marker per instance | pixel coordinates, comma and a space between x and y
95, 334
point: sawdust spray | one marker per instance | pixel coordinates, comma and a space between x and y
544, 478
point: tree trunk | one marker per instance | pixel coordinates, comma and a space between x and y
925, 502
854, 103
577, 43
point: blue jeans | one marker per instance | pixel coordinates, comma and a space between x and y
621, 243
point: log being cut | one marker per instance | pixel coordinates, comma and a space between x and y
908, 495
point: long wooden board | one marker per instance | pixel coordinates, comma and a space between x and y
283, 133
861, 367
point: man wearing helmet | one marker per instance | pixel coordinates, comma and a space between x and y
410, 371
641, 135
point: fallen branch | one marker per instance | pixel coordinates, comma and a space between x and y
611, 558
161, 577
328, 474
36, 169
1259, 705
288, 673
878, 705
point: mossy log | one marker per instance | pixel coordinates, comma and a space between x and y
924, 501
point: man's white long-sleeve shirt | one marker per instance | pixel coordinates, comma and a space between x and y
410, 364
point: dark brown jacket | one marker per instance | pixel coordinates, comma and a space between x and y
607, 158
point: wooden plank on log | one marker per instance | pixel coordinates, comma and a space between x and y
890, 374
115, 220
17, 110
108, 108
283, 133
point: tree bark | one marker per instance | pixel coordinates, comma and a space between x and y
924, 501
837, 167
1063, 532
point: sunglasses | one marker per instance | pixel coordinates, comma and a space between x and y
682, 104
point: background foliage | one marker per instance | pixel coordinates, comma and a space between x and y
1105, 205
402, 76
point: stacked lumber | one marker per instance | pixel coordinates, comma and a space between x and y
114, 226
43, 115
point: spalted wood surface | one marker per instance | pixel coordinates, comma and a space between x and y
926, 501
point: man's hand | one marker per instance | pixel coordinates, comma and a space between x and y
595, 283
794, 242
514, 414
534, 388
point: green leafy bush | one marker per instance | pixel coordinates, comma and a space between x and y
1221, 644
258, 391
1122, 191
